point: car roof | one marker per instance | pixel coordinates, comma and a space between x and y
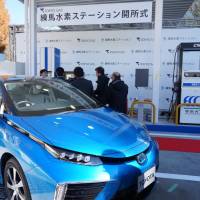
5, 78
9, 78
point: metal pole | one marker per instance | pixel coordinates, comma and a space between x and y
33, 38
157, 54
27, 64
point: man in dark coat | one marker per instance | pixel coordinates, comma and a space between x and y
117, 94
81, 83
102, 85
60, 73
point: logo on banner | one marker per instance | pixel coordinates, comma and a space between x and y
85, 52
114, 52
115, 39
141, 51
144, 64
86, 40
191, 99
169, 63
143, 39
114, 63
85, 64
180, 38
42, 10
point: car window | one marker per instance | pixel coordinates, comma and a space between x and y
43, 96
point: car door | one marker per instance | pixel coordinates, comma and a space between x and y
2, 125
2, 121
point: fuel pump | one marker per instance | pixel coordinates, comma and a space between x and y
188, 82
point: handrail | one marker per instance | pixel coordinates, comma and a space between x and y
136, 102
181, 105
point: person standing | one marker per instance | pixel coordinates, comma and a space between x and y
60, 73
43, 73
117, 94
81, 83
102, 85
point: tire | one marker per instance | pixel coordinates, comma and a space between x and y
15, 181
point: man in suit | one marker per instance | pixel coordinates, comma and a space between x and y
81, 83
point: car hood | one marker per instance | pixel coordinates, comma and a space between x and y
100, 132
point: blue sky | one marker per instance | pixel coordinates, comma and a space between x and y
16, 11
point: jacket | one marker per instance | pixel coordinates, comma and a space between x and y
83, 85
117, 96
102, 89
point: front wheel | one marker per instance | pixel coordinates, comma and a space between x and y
15, 181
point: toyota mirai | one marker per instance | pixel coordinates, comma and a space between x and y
56, 143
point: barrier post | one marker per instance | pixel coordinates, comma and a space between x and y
136, 102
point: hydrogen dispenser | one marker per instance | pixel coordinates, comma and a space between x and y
188, 55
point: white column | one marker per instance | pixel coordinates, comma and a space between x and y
31, 37
26, 30
157, 54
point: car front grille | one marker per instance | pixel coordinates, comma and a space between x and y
109, 160
84, 191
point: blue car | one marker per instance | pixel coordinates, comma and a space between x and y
58, 144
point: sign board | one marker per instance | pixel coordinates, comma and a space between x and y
115, 13
190, 114
141, 78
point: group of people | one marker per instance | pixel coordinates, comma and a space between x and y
113, 94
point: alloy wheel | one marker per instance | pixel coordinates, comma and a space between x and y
14, 184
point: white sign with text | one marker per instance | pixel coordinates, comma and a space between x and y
115, 13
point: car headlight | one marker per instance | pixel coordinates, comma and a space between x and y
72, 156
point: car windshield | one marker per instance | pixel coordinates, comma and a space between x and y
45, 96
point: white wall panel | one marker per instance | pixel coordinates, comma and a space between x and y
121, 50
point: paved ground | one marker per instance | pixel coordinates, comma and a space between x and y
180, 180
181, 172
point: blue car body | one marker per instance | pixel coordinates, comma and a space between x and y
100, 132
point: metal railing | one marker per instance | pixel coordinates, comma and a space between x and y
144, 102
181, 105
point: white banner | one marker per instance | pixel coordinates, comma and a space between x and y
115, 13
122, 50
